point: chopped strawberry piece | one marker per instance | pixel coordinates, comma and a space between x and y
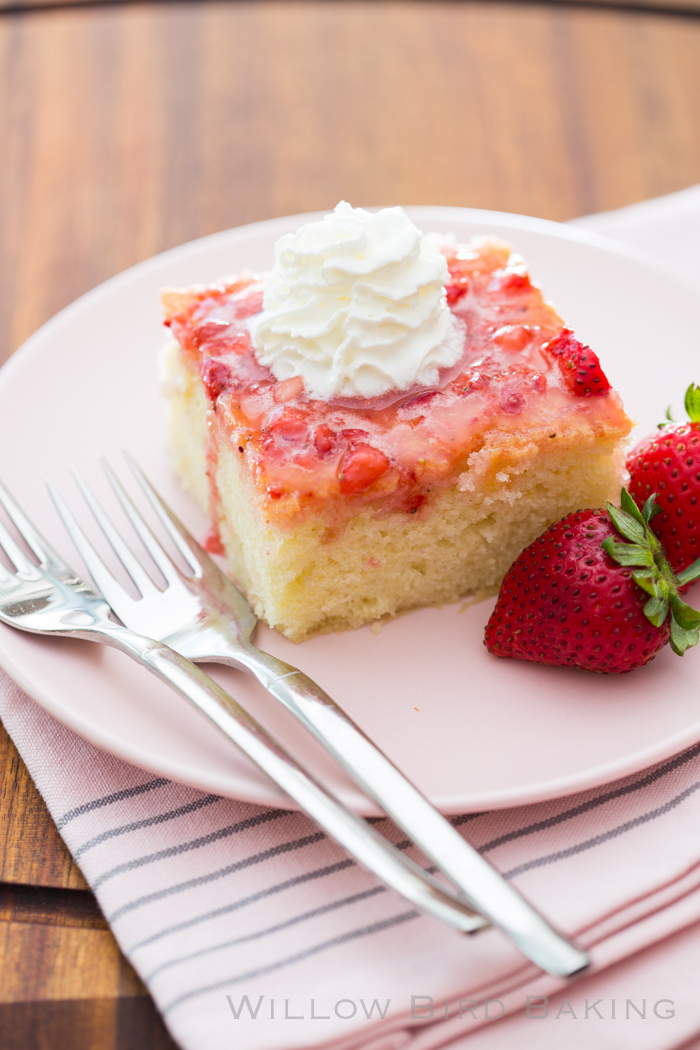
324, 441
354, 435
456, 288
216, 376
213, 543
513, 336
512, 402
239, 344
250, 304
578, 365
360, 466
288, 389
421, 399
511, 281
209, 331
290, 427
415, 502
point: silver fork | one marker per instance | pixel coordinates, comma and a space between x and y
48, 598
206, 618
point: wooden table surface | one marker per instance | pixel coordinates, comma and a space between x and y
126, 129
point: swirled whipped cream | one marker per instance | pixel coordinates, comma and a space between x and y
355, 305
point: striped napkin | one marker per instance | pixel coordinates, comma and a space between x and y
252, 929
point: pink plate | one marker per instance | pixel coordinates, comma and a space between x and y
474, 732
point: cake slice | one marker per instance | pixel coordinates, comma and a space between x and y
336, 512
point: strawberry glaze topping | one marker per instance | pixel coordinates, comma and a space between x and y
520, 370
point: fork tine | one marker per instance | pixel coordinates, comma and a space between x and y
24, 526
181, 537
5, 576
14, 553
132, 565
11, 548
146, 536
106, 583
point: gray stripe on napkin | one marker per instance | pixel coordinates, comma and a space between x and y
107, 800
580, 847
268, 930
186, 847
343, 938
599, 800
253, 898
202, 880
147, 822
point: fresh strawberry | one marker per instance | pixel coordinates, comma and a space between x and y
578, 598
579, 367
669, 464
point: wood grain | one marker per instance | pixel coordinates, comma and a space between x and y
50, 907
63, 962
56, 947
126, 130
31, 850
129, 1023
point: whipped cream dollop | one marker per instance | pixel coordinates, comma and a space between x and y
355, 305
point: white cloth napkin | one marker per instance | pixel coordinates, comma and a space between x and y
251, 929
667, 227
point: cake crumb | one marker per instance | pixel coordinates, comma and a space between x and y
376, 626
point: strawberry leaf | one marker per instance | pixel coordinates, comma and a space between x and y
647, 580
682, 639
650, 509
692, 402
626, 525
691, 573
685, 616
654, 574
628, 553
631, 508
656, 611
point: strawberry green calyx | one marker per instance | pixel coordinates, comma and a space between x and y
692, 403
692, 407
652, 571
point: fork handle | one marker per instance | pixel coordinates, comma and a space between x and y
485, 889
357, 837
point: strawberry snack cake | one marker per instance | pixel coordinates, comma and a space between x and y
382, 422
